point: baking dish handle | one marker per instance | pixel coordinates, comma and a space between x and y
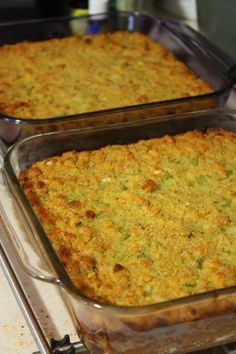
21, 238
195, 40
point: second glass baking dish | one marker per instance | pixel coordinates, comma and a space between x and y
177, 326
207, 61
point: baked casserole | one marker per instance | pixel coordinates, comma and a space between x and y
77, 74
142, 223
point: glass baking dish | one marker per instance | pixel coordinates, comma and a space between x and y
178, 326
207, 61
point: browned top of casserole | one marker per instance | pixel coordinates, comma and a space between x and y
142, 223
77, 74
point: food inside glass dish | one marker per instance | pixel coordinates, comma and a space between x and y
78, 74
142, 223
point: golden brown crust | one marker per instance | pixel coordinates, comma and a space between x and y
142, 223
76, 74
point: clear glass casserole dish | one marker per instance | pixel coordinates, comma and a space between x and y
177, 326
207, 61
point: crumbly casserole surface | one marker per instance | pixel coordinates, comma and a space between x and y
77, 74
142, 223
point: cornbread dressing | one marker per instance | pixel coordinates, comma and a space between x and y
78, 74
142, 223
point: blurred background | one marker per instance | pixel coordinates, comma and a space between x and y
214, 18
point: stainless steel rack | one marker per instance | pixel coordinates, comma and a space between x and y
63, 346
